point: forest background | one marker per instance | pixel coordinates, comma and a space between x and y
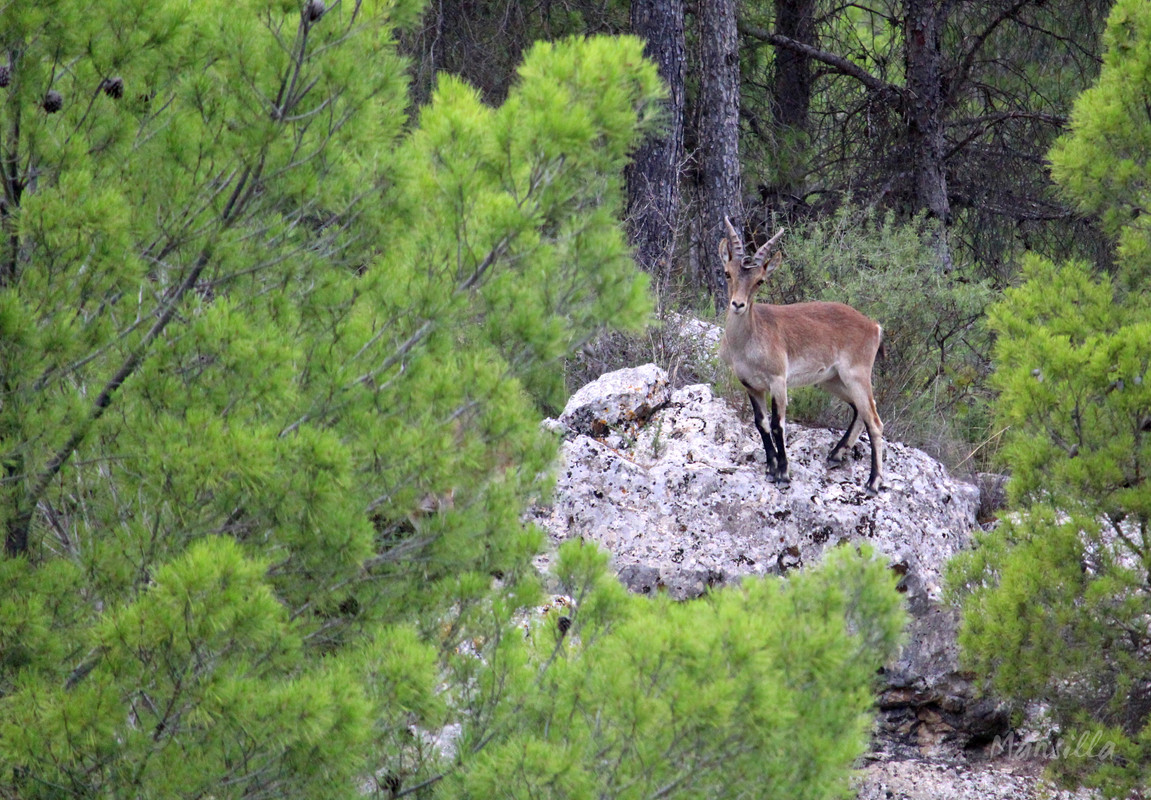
285, 289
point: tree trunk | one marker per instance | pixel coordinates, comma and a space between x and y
923, 29
792, 78
653, 179
717, 130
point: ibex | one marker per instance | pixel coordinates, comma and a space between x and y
772, 347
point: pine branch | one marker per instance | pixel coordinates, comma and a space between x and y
16, 538
1057, 120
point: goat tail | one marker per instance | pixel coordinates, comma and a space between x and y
881, 351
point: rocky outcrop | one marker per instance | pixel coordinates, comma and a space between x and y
682, 502
673, 485
618, 402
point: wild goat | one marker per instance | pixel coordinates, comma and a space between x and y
772, 347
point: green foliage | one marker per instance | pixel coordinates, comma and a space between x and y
205, 663
1104, 163
1055, 600
273, 361
929, 387
483, 43
1071, 368
763, 690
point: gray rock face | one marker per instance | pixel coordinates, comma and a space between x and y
682, 503
620, 401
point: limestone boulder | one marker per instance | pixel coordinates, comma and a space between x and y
682, 502
619, 401
672, 484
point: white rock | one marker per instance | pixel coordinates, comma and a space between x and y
686, 503
682, 503
625, 397
919, 780
673, 486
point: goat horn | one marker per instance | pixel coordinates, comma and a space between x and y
765, 249
775, 238
733, 240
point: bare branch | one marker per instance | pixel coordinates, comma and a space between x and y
837, 63
989, 120
1051, 119
964, 68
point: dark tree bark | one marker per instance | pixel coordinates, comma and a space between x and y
953, 121
925, 107
653, 178
717, 132
792, 77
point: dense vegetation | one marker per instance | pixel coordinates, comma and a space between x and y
273, 353
285, 288
1056, 601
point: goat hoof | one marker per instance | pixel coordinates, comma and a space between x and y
872, 491
835, 461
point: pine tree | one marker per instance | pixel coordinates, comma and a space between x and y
760, 690
1055, 600
1105, 165
272, 370
272, 361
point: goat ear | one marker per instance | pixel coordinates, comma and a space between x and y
773, 265
724, 250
